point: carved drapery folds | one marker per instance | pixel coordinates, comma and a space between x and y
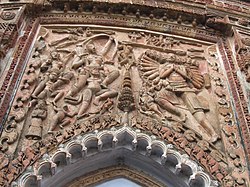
85, 78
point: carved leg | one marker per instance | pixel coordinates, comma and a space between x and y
64, 123
76, 88
165, 104
53, 126
43, 94
87, 96
40, 87
153, 107
77, 63
202, 120
104, 96
72, 92
57, 84
56, 119
58, 96
110, 78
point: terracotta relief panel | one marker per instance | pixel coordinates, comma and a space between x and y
85, 78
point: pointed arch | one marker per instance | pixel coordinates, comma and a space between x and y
125, 157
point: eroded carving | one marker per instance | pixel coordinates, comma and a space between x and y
173, 78
221, 24
90, 79
38, 115
243, 50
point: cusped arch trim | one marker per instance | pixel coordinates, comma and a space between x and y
89, 154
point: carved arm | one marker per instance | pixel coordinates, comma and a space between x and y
166, 72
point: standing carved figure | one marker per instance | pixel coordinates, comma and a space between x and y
53, 68
97, 80
38, 115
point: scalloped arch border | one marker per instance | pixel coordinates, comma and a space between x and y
65, 153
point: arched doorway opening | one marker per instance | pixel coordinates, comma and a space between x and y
119, 181
123, 153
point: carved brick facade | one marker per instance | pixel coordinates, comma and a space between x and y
176, 71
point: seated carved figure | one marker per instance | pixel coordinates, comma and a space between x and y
176, 79
60, 117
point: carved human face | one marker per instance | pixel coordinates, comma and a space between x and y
80, 30
170, 58
246, 41
91, 48
54, 55
65, 108
53, 77
41, 105
150, 54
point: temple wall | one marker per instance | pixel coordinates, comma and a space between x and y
103, 74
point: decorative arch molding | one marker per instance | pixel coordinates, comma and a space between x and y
119, 149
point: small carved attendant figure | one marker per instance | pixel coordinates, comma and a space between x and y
53, 79
54, 62
53, 68
38, 115
148, 105
125, 55
59, 117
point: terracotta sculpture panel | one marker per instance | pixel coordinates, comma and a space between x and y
85, 78
77, 77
